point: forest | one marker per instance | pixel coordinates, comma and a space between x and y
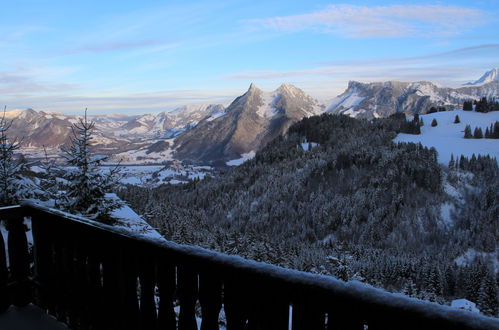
337, 196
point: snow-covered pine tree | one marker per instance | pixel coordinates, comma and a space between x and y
13, 185
87, 184
47, 182
488, 295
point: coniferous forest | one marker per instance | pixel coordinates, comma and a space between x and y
337, 196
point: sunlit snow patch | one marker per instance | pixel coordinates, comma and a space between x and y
448, 138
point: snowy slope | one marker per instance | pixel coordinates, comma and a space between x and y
489, 76
448, 138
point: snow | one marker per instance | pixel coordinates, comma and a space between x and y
267, 110
216, 115
448, 138
12, 113
471, 254
131, 221
427, 89
307, 146
239, 161
465, 304
348, 101
445, 213
154, 175
489, 76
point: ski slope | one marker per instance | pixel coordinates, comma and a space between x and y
448, 138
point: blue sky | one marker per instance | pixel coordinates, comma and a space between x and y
148, 56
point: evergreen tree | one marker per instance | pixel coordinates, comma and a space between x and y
434, 122
452, 162
467, 106
487, 296
13, 185
87, 188
478, 134
487, 133
467, 132
457, 120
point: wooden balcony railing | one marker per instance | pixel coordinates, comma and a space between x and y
93, 276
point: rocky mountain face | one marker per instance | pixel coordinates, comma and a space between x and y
248, 123
381, 99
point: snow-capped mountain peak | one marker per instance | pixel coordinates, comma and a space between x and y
489, 76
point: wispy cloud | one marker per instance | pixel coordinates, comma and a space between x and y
353, 21
117, 45
21, 84
450, 68
131, 103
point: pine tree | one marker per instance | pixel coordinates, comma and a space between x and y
478, 134
452, 162
488, 296
467, 106
467, 132
434, 122
13, 186
487, 133
87, 188
457, 120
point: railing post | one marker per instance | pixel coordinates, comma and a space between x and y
44, 261
19, 261
187, 294
4, 297
307, 314
210, 298
236, 305
166, 288
148, 316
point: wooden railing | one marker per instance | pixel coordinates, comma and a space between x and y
93, 276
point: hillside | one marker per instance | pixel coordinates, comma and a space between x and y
337, 196
448, 138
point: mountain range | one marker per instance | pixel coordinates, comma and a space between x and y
214, 132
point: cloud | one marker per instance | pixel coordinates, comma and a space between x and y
353, 21
116, 46
20, 84
131, 103
450, 68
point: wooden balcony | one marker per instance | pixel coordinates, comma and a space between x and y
93, 276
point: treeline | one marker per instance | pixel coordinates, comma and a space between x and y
356, 206
491, 132
482, 105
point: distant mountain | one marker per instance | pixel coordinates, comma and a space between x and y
489, 76
248, 123
170, 123
112, 134
381, 99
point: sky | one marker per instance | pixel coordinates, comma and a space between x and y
150, 56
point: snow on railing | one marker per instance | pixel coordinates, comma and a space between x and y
91, 275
